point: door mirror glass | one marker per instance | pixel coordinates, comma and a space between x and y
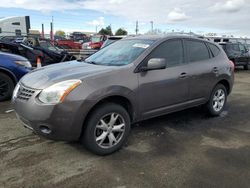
155, 64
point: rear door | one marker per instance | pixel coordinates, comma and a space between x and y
236, 53
244, 54
161, 91
202, 70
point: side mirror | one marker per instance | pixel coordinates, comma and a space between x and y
155, 64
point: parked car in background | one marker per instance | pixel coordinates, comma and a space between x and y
12, 68
238, 53
69, 44
86, 46
34, 49
97, 41
96, 100
58, 37
78, 36
112, 39
12, 39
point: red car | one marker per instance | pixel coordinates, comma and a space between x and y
97, 41
69, 44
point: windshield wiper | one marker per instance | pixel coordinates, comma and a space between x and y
91, 62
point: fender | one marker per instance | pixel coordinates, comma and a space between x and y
9, 72
121, 91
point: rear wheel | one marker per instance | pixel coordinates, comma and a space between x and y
217, 100
107, 129
6, 87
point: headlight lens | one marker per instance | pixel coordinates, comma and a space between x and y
23, 63
14, 95
57, 92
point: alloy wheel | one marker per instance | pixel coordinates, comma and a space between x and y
219, 100
109, 130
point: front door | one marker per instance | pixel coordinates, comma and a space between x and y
161, 91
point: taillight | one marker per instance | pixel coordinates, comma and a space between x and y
232, 65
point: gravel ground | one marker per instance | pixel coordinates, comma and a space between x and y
184, 149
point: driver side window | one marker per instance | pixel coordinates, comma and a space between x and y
171, 50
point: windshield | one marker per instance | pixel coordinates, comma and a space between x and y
110, 41
95, 39
122, 52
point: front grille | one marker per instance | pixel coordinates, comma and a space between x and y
25, 93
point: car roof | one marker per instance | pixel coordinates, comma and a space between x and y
224, 43
165, 36
118, 37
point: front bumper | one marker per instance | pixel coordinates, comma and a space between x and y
65, 120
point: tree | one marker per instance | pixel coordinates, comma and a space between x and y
60, 33
121, 31
106, 31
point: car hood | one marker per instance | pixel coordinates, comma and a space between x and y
49, 75
12, 56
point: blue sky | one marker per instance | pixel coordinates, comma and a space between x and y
223, 17
66, 19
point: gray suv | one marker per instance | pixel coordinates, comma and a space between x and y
134, 79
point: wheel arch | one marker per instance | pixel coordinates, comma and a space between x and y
226, 84
10, 74
117, 99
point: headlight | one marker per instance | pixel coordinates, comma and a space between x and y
14, 95
23, 63
57, 92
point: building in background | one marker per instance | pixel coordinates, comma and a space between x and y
15, 26
229, 39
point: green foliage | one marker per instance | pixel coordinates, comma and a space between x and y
106, 31
60, 33
121, 31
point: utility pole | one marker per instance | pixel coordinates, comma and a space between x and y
52, 29
42, 31
136, 28
152, 26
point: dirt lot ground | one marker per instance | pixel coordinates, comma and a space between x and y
185, 149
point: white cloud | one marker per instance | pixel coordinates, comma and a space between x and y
177, 15
229, 6
203, 15
98, 22
40, 5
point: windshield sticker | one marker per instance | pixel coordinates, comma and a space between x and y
141, 45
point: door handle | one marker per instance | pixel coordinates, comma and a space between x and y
183, 75
215, 70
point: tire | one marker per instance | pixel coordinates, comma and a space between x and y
6, 87
247, 66
99, 134
217, 102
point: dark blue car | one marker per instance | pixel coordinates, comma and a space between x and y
12, 68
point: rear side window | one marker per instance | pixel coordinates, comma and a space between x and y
171, 50
214, 49
196, 51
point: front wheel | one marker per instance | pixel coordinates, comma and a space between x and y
217, 100
6, 87
107, 129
